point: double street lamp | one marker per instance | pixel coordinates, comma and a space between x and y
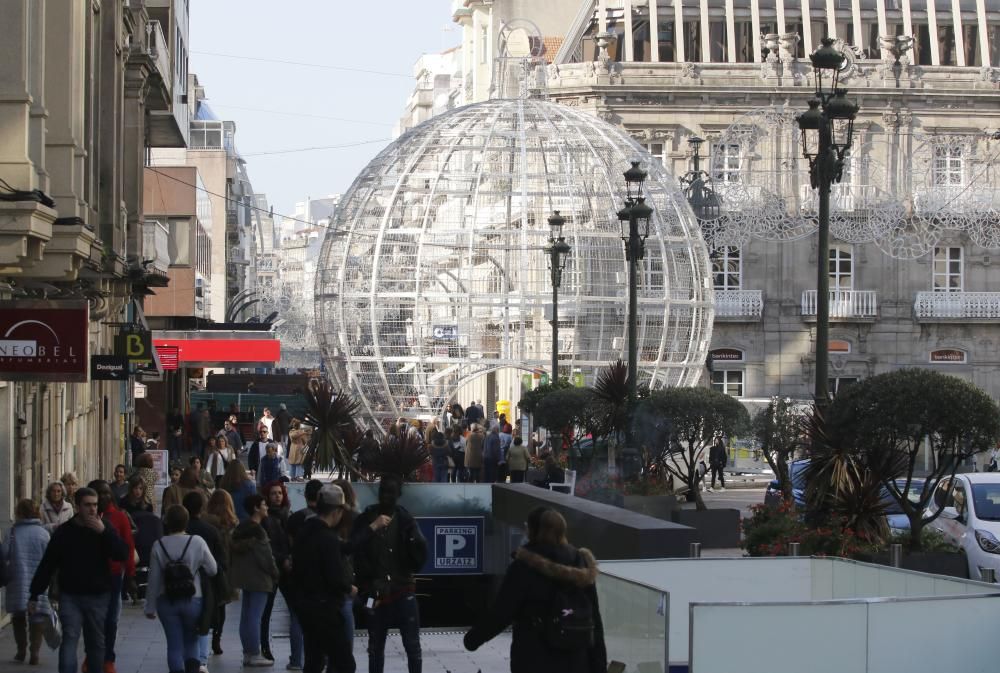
634, 222
827, 131
557, 250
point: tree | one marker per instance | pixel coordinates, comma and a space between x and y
531, 399
566, 409
888, 419
336, 434
679, 424
611, 401
778, 429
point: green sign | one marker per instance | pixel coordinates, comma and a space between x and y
578, 379
544, 380
525, 382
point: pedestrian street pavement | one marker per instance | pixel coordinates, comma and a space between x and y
142, 648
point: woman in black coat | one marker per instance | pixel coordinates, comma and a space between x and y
543, 568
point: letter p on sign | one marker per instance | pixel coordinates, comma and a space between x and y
452, 544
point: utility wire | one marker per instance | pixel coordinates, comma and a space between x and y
239, 57
271, 212
313, 149
300, 114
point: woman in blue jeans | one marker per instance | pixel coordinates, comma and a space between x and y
255, 573
177, 608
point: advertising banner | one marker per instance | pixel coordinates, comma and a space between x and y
108, 368
44, 340
454, 545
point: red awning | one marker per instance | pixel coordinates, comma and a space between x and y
219, 352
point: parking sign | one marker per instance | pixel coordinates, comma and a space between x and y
454, 545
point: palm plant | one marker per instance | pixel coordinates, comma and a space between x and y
336, 437
401, 455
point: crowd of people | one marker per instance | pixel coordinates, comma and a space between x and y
223, 532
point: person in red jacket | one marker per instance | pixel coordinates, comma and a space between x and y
121, 572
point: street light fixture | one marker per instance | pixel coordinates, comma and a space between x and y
558, 250
702, 198
830, 117
637, 214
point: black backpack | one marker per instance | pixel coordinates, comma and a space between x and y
178, 580
569, 622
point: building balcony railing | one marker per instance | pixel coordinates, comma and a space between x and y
155, 245
848, 304
739, 304
238, 256
957, 306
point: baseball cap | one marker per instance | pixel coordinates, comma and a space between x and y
330, 495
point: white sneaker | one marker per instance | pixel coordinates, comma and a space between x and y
203, 669
708, 489
722, 488
256, 660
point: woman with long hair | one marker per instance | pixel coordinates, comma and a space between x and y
546, 572
276, 526
144, 468
219, 513
239, 485
174, 494
135, 498
55, 509
254, 572
344, 530
22, 551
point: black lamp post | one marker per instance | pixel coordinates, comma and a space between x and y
558, 250
703, 200
636, 213
831, 116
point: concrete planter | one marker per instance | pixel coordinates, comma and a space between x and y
951, 564
659, 506
717, 528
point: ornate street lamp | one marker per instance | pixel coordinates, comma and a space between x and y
558, 250
636, 214
827, 131
702, 198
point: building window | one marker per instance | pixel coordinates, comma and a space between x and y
835, 385
726, 162
666, 40
949, 166
727, 268
692, 41
728, 381
658, 150
947, 269
841, 268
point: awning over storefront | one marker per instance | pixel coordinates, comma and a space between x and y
209, 348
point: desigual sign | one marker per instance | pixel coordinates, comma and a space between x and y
44, 340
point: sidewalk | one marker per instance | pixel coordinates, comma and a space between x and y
142, 649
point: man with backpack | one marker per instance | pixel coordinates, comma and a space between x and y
174, 591
80, 551
549, 594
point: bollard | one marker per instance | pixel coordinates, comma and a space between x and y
793, 548
896, 555
694, 550
988, 575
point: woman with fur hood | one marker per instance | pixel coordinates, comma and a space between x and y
544, 569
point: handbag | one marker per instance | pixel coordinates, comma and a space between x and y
53, 631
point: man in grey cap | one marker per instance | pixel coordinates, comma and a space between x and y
321, 583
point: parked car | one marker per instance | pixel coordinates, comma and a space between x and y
970, 517
899, 522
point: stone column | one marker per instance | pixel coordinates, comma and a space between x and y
22, 41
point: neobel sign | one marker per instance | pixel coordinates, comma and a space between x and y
44, 340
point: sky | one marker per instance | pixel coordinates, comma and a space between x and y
283, 106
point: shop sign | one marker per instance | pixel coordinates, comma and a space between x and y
44, 340
445, 332
949, 356
168, 357
727, 355
108, 368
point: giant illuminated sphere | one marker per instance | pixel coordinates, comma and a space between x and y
433, 271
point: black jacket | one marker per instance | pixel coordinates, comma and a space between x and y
377, 557
526, 593
717, 455
80, 555
318, 572
282, 421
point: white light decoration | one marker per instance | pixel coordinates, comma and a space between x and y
901, 191
433, 271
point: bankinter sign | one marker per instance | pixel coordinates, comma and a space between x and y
44, 340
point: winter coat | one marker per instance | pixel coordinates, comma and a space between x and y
282, 423
526, 594
518, 457
148, 476
491, 449
297, 447
474, 450
53, 518
23, 550
717, 455
252, 564
440, 452
384, 563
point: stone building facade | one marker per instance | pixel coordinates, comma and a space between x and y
921, 288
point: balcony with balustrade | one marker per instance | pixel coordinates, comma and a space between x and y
956, 306
739, 305
845, 305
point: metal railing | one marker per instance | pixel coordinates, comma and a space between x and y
159, 50
973, 305
739, 304
844, 303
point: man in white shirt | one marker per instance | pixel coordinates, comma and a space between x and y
267, 420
